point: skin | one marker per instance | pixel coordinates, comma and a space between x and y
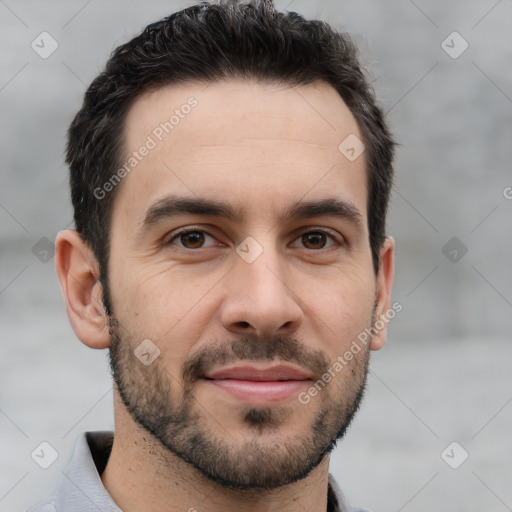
259, 147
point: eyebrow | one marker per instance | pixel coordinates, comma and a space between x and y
173, 206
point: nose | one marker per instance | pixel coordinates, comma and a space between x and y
260, 298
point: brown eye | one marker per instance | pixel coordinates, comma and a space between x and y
192, 239
319, 240
314, 240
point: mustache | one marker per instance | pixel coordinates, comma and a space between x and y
252, 348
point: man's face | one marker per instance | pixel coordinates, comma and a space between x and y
272, 284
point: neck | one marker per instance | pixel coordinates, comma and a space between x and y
143, 476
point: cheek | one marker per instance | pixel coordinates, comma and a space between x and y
341, 308
165, 303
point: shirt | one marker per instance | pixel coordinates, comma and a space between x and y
80, 488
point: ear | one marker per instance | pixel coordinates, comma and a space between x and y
383, 295
78, 272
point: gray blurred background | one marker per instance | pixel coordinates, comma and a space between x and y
445, 375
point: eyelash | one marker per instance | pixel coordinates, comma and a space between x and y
196, 230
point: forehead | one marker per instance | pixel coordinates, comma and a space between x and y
257, 143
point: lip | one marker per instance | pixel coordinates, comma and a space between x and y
280, 372
260, 386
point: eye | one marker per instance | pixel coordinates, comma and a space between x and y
317, 239
191, 238
194, 238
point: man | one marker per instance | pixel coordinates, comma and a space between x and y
230, 175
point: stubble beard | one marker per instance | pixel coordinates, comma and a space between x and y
267, 457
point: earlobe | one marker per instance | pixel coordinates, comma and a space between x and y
383, 295
78, 271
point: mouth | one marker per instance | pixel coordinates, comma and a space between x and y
258, 385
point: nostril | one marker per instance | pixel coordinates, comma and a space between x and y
243, 324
